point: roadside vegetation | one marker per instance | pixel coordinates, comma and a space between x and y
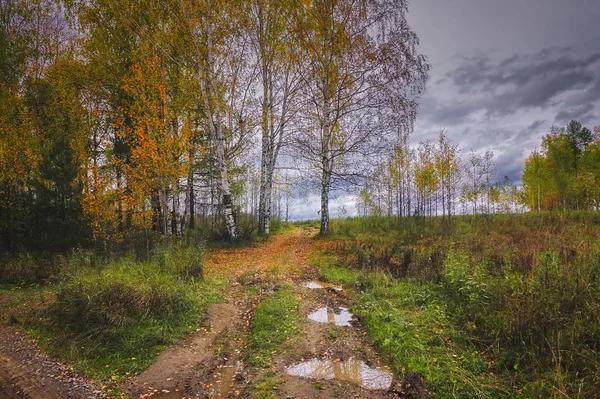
109, 318
275, 321
488, 306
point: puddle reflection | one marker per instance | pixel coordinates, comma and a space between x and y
352, 370
327, 315
314, 285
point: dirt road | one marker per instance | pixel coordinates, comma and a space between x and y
209, 362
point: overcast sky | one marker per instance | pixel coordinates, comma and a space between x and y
502, 73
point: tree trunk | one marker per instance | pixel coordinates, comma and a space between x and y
164, 210
218, 138
325, 186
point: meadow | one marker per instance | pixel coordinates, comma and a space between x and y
479, 306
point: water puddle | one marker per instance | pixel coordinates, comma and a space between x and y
165, 395
315, 285
352, 370
327, 315
221, 385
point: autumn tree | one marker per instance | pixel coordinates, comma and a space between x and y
354, 49
426, 179
279, 65
217, 49
448, 169
32, 37
563, 174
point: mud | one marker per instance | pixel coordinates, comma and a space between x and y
28, 373
222, 384
176, 366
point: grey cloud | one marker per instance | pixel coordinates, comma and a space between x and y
535, 125
580, 113
525, 81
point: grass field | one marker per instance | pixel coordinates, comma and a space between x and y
492, 306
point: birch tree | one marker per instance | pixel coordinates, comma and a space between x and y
213, 30
357, 51
278, 64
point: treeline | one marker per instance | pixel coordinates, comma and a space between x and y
433, 179
124, 119
565, 173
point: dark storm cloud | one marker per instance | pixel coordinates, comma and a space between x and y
535, 125
583, 113
524, 81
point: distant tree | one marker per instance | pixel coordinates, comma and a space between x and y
563, 174
474, 172
448, 169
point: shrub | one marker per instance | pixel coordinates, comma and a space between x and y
180, 259
119, 296
28, 268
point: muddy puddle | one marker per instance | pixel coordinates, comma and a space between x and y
352, 370
315, 285
328, 315
221, 385
165, 395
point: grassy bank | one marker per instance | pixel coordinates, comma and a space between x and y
110, 319
494, 306
275, 321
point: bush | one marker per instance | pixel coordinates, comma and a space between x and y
119, 296
180, 259
28, 268
124, 312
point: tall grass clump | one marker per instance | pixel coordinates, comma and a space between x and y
113, 318
410, 323
544, 326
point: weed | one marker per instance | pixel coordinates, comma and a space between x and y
266, 386
275, 321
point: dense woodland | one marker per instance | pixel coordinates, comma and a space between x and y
144, 118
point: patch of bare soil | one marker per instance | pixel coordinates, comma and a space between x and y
188, 365
28, 373
326, 341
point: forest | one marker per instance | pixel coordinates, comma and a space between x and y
122, 119
152, 154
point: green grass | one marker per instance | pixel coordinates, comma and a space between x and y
332, 272
111, 320
109, 343
519, 290
409, 323
275, 321
266, 385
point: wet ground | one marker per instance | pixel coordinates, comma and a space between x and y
352, 370
331, 357
340, 316
315, 285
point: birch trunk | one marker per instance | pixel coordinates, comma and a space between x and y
325, 187
326, 165
211, 105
